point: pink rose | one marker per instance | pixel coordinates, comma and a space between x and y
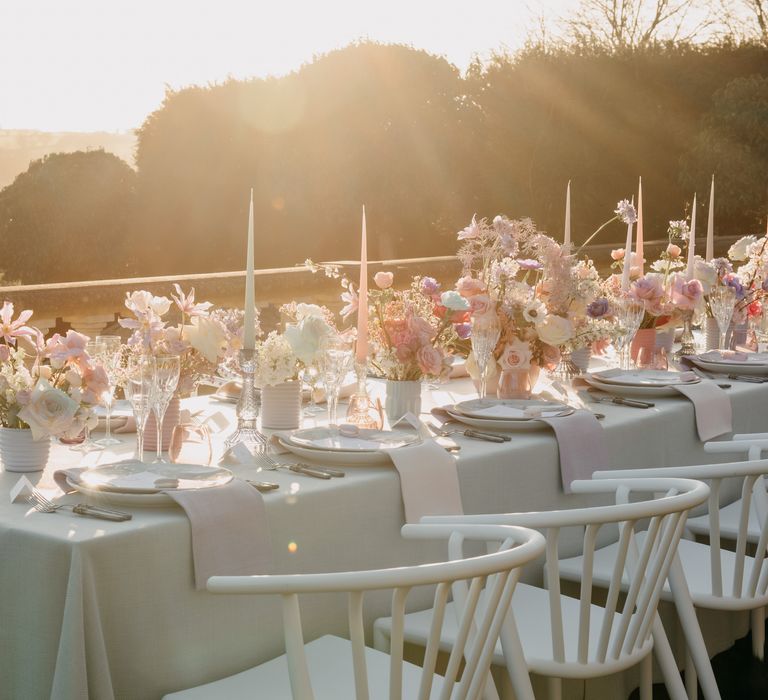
617, 254
469, 286
430, 360
649, 290
479, 304
516, 355
384, 280
420, 329
686, 294
95, 383
673, 250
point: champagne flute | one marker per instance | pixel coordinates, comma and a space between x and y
629, 315
96, 352
722, 301
485, 336
165, 379
310, 375
337, 355
138, 386
110, 360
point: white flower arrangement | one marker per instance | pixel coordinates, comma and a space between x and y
276, 361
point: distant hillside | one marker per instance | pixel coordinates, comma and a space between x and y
19, 147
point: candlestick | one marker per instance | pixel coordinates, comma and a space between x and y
361, 353
627, 258
692, 241
249, 319
639, 242
711, 223
567, 235
248, 408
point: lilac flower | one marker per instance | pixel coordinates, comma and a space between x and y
463, 330
734, 283
429, 286
625, 210
723, 266
529, 264
599, 308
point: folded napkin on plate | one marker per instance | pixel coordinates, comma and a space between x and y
712, 407
230, 530
718, 355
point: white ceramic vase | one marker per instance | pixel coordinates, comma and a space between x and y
281, 406
20, 453
402, 397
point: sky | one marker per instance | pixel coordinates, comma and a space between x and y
104, 65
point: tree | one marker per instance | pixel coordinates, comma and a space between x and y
621, 24
69, 217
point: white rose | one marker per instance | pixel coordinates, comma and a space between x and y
555, 330
739, 250
306, 337
706, 274
207, 337
49, 411
308, 310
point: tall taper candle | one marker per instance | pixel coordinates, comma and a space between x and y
361, 354
639, 244
249, 317
567, 236
692, 241
711, 223
627, 259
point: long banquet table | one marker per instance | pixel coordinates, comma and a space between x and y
96, 609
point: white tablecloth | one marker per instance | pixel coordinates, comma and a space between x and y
94, 609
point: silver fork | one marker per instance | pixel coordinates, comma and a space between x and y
468, 432
269, 463
43, 505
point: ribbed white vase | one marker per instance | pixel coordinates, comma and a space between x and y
711, 334
402, 397
20, 453
281, 406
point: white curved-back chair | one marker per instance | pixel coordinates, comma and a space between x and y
565, 637
703, 575
333, 668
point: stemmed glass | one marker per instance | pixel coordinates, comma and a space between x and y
165, 379
138, 387
96, 351
629, 315
485, 336
110, 360
310, 375
722, 301
336, 363
760, 328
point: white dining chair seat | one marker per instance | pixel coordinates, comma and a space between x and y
729, 523
695, 559
330, 666
531, 608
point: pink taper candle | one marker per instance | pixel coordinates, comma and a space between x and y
639, 235
711, 223
692, 241
361, 354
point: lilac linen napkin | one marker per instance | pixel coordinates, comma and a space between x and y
230, 530
712, 406
581, 442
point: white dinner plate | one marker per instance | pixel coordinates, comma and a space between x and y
491, 424
338, 458
629, 390
641, 378
107, 498
330, 439
507, 409
755, 364
139, 478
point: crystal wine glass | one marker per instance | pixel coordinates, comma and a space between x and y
138, 386
722, 301
310, 375
96, 352
110, 360
165, 379
337, 356
760, 328
629, 315
485, 336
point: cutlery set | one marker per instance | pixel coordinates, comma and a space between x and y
43, 505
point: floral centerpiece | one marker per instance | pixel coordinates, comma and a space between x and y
46, 389
203, 338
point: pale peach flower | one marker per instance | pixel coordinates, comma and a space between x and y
384, 280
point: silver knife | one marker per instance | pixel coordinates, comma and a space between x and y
621, 401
